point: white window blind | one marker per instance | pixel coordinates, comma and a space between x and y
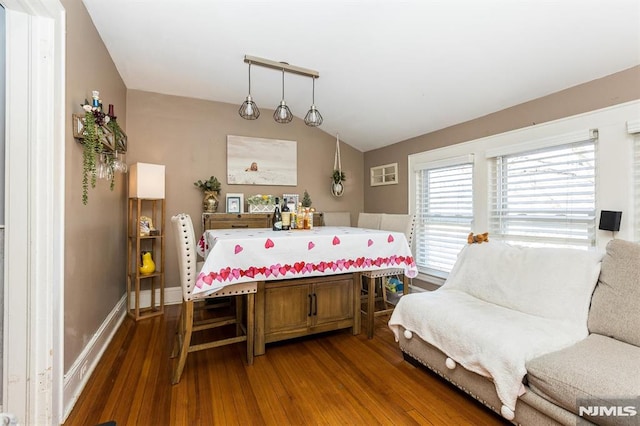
545, 197
444, 212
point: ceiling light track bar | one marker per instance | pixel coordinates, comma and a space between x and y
281, 66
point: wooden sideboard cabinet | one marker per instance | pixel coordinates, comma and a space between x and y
298, 307
245, 220
235, 220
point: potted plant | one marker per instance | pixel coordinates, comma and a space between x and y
211, 190
337, 188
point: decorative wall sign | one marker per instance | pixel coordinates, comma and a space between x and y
259, 161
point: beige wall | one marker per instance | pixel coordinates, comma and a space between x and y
611, 90
94, 234
189, 137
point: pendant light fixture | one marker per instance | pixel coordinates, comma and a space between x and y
283, 114
313, 117
249, 110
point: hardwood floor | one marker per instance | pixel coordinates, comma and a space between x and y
329, 379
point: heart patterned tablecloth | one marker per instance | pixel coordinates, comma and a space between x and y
234, 256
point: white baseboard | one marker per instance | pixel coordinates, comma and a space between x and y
76, 378
172, 296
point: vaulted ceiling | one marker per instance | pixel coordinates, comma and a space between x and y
389, 69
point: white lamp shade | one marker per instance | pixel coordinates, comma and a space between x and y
146, 181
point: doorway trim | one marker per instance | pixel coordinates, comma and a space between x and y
34, 200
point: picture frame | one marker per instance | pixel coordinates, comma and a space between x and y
292, 201
235, 203
261, 161
146, 226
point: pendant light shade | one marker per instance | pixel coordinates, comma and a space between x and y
249, 110
313, 117
283, 114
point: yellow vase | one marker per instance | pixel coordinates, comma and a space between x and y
148, 265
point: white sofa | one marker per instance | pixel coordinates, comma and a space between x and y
511, 327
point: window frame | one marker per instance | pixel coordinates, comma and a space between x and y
614, 162
422, 219
572, 222
633, 128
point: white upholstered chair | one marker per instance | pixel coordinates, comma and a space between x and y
369, 220
187, 324
373, 280
337, 218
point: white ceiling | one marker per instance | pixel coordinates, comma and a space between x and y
389, 69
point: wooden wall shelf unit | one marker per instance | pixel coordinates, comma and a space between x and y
292, 308
136, 245
245, 220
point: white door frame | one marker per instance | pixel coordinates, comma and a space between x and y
34, 203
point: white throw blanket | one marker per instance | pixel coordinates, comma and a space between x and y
494, 338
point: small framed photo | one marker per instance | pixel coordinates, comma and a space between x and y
146, 226
235, 203
292, 201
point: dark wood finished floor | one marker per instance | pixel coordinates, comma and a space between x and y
331, 379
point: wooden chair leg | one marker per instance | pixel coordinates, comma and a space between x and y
251, 304
371, 298
187, 314
239, 308
177, 341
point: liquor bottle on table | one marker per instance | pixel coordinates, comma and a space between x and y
286, 216
305, 219
300, 217
277, 217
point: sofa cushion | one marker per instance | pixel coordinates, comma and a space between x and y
553, 283
596, 367
615, 304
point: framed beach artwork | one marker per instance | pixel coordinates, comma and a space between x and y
260, 161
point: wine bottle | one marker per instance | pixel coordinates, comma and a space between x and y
277, 217
294, 219
286, 216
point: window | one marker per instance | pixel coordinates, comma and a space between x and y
444, 212
545, 197
384, 175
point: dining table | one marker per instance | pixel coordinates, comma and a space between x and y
308, 281
234, 256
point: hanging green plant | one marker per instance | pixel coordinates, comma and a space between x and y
92, 147
101, 137
338, 176
113, 125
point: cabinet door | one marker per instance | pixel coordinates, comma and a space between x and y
333, 301
287, 308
